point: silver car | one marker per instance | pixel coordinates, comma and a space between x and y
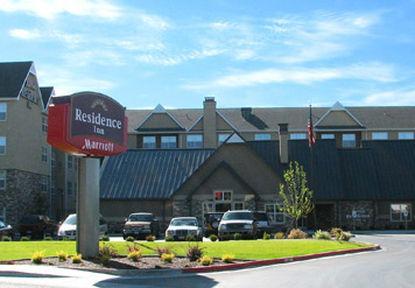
184, 228
67, 230
237, 222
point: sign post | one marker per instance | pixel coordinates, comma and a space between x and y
91, 125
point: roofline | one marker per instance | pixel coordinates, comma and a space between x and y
342, 109
194, 124
155, 112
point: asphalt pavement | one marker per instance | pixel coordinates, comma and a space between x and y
393, 266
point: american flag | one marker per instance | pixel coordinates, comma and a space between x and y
311, 136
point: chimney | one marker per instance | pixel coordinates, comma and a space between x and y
209, 123
283, 134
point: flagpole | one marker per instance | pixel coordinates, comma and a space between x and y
311, 142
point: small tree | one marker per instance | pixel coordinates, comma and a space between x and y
296, 197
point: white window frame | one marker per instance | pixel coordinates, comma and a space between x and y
380, 135
168, 142
153, 144
223, 200
207, 206
44, 124
3, 110
222, 137
401, 216
408, 135
348, 140
3, 143
3, 179
298, 136
196, 142
262, 136
275, 211
238, 202
44, 183
44, 156
328, 136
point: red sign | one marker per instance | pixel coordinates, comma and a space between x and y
87, 123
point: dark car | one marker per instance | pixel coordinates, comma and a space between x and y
5, 230
262, 223
211, 223
37, 226
140, 225
237, 222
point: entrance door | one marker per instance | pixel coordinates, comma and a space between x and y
325, 216
223, 207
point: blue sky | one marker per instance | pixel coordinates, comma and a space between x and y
244, 53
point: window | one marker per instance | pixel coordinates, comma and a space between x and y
406, 135
298, 136
44, 124
69, 188
3, 143
194, 141
168, 142
44, 184
2, 180
327, 136
53, 160
207, 207
238, 206
349, 140
3, 111
222, 137
70, 162
44, 154
273, 213
149, 142
262, 136
400, 212
223, 196
379, 135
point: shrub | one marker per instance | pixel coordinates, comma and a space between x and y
227, 258
169, 238
335, 232
62, 256
37, 257
279, 235
77, 259
25, 238
134, 255
213, 238
48, 238
297, 234
150, 238
134, 247
167, 257
206, 260
130, 239
344, 236
163, 250
237, 236
194, 252
322, 235
190, 238
6, 238
266, 236
105, 238
106, 252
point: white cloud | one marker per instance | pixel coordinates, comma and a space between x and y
364, 71
97, 56
67, 82
25, 34
45, 35
166, 60
154, 21
50, 9
392, 97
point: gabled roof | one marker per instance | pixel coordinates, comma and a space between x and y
159, 110
46, 92
12, 77
149, 174
349, 120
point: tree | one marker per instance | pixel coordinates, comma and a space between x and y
296, 196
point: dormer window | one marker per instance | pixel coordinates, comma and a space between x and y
379, 135
349, 140
149, 142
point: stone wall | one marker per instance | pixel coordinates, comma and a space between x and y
23, 196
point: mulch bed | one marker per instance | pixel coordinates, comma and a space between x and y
120, 263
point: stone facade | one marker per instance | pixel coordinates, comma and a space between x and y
24, 195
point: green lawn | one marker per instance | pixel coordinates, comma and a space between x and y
247, 249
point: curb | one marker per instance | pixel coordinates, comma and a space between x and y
275, 261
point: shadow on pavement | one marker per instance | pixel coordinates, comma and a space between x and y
192, 281
17, 274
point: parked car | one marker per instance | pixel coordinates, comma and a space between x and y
140, 225
67, 229
237, 221
262, 223
37, 226
211, 223
182, 228
5, 230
